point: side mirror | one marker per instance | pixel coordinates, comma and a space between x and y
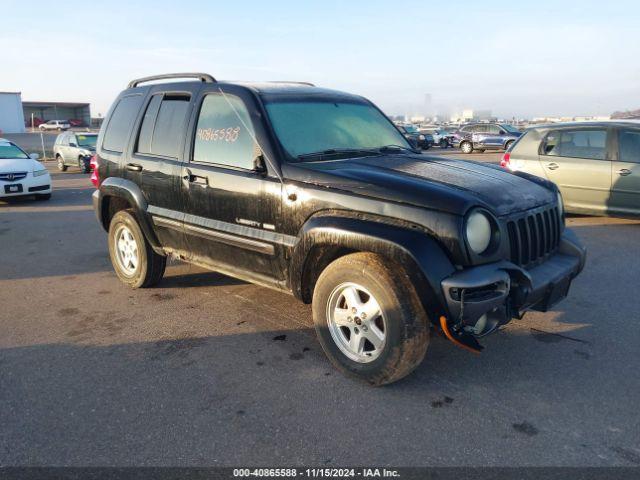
71, 144
34, 156
259, 165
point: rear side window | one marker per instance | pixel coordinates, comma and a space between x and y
591, 144
163, 125
120, 123
629, 146
225, 134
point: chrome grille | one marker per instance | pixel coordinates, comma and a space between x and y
13, 176
534, 235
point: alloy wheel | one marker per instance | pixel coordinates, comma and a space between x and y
356, 322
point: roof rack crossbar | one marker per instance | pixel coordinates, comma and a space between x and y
203, 77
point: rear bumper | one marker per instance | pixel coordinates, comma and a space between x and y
493, 294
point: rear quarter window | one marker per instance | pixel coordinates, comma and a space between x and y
528, 143
121, 123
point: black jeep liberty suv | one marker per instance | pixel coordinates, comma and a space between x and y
316, 193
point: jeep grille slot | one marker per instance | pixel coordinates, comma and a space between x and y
532, 237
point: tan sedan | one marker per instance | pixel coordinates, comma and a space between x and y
596, 165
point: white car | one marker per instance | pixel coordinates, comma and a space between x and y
22, 174
55, 125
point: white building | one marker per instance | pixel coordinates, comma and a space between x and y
11, 114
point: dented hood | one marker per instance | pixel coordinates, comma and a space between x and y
444, 184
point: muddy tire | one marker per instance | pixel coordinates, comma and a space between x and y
368, 319
133, 259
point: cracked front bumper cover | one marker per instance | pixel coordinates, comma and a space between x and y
504, 290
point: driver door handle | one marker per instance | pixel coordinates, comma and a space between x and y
134, 167
553, 166
196, 179
624, 172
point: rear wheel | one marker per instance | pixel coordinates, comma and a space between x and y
133, 259
368, 319
466, 147
61, 166
82, 165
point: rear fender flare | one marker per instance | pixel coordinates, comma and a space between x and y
422, 257
129, 191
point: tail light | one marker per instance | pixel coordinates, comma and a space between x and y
506, 161
93, 166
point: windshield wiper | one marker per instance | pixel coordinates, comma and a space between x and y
395, 148
339, 151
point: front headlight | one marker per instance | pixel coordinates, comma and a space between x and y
560, 205
39, 173
421, 137
478, 232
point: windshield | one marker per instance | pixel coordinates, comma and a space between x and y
10, 151
510, 128
88, 141
305, 127
411, 129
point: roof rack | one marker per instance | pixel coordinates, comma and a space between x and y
309, 84
203, 77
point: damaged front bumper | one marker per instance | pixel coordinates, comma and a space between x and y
480, 299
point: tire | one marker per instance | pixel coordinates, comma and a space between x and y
466, 147
61, 166
403, 323
43, 196
148, 267
82, 165
443, 143
507, 145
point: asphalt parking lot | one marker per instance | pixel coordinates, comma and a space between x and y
208, 370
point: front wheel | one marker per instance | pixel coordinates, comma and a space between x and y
466, 147
368, 319
133, 259
61, 166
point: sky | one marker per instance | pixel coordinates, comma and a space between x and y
515, 58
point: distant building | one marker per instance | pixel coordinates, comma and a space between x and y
11, 116
45, 111
628, 115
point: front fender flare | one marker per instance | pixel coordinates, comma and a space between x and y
422, 257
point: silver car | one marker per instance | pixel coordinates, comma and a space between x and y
55, 125
596, 165
75, 149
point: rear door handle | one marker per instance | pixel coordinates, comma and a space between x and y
553, 166
134, 167
624, 172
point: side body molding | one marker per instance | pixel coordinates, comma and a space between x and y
420, 255
129, 191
